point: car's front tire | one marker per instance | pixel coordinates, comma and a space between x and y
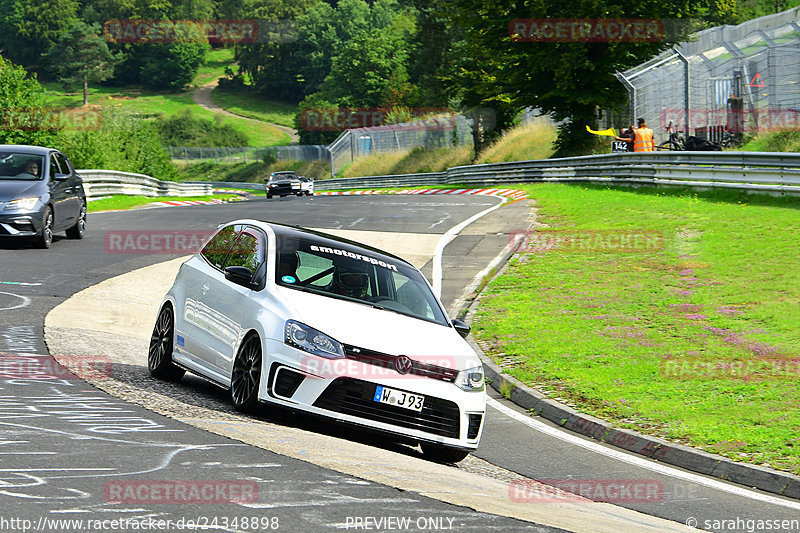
79, 229
443, 454
159, 355
45, 237
246, 375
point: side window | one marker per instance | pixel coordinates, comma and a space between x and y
54, 169
216, 250
62, 162
249, 250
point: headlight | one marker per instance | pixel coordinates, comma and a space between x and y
470, 380
312, 341
22, 204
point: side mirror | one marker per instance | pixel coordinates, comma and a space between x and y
461, 327
60, 177
240, 275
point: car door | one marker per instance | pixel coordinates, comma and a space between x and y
74, 187
225, 302
191, 321
64, 205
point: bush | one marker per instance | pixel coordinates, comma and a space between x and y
184, 129
22, 107
122, 142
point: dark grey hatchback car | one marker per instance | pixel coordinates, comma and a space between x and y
40, 194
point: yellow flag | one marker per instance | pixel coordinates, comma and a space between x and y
608, 133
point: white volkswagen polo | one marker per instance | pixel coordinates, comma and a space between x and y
289, 316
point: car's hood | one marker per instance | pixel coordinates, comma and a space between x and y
380, 330
11, 189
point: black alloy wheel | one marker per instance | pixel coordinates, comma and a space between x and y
159, 355
45, 238
246, 375
79, 229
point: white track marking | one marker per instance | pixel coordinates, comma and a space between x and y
449, 236
640, 462
25, 301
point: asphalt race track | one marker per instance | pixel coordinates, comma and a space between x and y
65, 446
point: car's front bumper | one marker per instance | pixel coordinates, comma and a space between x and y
20, 223
344, 389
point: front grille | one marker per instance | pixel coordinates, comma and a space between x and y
286, 382
355, 397
474, 425
384, 360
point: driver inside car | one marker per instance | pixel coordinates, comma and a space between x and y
350, 281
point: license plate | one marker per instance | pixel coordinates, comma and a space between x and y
398, 398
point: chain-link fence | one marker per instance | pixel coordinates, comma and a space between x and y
440, 132
730, 80
308, 152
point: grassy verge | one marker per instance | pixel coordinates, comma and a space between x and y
776, 141
119, 202
696, 341
534, 141
247, 105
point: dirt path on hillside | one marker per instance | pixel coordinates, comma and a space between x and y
202, 97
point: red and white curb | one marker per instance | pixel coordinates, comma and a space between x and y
178, 203
507, 193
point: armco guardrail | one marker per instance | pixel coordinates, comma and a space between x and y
773, 172
101, 183
754, 171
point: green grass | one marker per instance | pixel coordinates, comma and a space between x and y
214, 67
602, 329
248, 105
119, 202
775, 141
148, 104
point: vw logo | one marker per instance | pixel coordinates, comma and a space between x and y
403, 364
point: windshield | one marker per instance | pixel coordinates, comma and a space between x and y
350, 273
20, 166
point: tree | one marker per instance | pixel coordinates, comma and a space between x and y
82, 56
29, 28
170, 66
24, 119
369, 71
567, 79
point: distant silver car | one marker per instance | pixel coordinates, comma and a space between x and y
307, 185
40, 194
